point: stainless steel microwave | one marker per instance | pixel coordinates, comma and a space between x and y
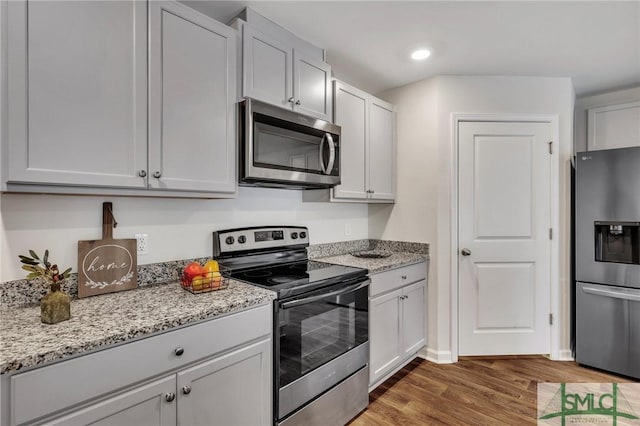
285, 149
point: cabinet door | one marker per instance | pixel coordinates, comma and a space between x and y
613, 126
413, 317
312, 86
382, 158
192, 94
384, 334
77, 101
233, 389
267, 68
350, 113
150, 404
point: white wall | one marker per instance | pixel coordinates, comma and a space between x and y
177, 228
425, 121
413, 217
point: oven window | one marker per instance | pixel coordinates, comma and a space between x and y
288, 146
315, 333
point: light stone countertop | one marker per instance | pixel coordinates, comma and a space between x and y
396, 260
105, 320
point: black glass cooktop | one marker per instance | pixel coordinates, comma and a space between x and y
299, 277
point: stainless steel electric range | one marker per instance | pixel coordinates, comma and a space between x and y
321, 322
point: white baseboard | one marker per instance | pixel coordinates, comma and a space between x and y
439, 357
564, 355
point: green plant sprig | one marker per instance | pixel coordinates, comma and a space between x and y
42, 268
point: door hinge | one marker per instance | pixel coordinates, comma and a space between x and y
551, 233
550, 147
550, 319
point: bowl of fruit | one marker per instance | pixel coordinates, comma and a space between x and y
197, 278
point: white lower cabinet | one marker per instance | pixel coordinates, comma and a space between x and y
205, 394
143, 405
397, 319
218, 372
228, 390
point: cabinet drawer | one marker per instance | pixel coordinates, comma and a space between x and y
48, 389
396, 278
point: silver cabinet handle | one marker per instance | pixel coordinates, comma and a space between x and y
186, 390
404, 277
465, 252
290, 100
169, 397
157, 174
142, 173
298, 102
179, 351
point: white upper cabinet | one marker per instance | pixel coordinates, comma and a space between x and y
267, 68
311, 86
381, 150
613, 126
77, 108
368, 146
191, 102
276, 72
350, 113
120, 98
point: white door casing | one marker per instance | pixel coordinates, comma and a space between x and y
504, 205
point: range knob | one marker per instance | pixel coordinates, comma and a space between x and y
294, 235
229, 240
303, 235
242, 239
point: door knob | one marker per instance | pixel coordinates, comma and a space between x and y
465, 252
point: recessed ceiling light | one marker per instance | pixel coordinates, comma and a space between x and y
420, 54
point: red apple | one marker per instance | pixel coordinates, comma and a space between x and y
192, 270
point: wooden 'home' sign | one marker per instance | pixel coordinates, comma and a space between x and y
107, 265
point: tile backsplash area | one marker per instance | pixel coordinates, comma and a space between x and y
29, 292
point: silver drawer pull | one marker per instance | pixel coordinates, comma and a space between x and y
404, 277
186, 390
179, 351
170, 397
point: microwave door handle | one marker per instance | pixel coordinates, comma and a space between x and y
320, 151
332, 154
298, 302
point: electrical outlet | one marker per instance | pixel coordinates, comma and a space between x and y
347, 229
143, 243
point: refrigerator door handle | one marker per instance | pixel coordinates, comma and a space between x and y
635, 297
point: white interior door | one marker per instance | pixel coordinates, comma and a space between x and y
504, 242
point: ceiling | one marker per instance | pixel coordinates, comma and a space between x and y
596, 43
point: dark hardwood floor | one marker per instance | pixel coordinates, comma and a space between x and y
473, 391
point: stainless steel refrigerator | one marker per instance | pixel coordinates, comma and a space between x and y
607, 253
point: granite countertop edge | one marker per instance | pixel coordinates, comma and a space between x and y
84, 334
377, 265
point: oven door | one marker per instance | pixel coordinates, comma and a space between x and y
289, 148
320, 340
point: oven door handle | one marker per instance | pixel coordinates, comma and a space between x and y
298, 302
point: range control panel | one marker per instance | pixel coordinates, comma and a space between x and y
258, 238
